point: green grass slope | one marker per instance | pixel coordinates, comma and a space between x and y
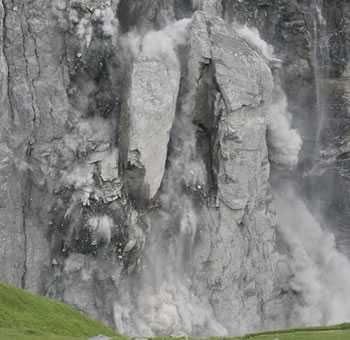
27, 316
339, 332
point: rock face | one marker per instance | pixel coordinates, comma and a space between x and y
152, 106
313, 42
135, 160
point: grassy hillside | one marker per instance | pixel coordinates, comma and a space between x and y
26, 316
340, 332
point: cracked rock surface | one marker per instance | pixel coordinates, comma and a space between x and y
134, 160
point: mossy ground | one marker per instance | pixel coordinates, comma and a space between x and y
25, 316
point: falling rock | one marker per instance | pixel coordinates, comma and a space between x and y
152, 106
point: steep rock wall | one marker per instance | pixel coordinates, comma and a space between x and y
134, 160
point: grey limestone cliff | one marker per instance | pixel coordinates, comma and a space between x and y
135, 155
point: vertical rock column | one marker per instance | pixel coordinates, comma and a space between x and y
234, 252
152, 105
12, 250
152, 100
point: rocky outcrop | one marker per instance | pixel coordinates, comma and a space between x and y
151, 107
35, 112
135, 155
157, 98
117, 147
312, 39
243, 94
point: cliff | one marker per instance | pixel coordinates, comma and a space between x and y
137, 139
